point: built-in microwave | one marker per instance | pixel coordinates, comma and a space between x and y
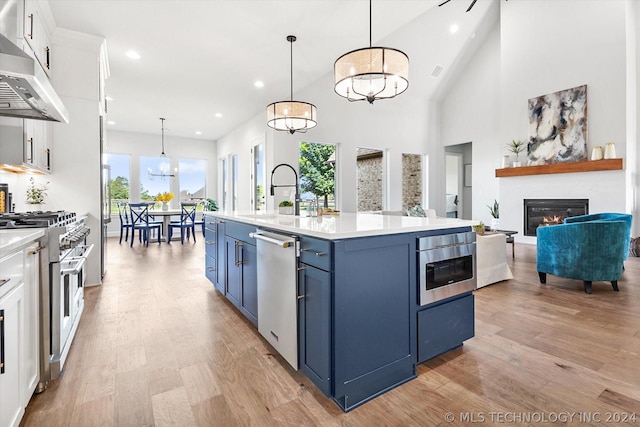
447, 265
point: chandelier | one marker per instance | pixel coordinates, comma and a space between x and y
371, 73
292, 116
162, 173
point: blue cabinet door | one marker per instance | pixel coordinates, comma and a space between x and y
211, 252
249, 286
314, 325
221, 258
233, 271
374, 322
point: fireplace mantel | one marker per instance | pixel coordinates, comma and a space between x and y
588, 166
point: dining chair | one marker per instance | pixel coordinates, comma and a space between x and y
186, 224
140, 221
200, 222
125, 220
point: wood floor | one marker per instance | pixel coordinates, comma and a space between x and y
158, 346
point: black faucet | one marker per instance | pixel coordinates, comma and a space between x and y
296, 203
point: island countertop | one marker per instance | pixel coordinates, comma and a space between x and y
10, 240
343, 225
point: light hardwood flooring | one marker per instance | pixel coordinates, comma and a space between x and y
158, 346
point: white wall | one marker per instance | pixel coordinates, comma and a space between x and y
565, 52
469, 113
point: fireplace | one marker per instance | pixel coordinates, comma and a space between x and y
543, 212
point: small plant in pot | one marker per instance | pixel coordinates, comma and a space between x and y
516, 147
494, 210
285, 207
36, 194
479, 229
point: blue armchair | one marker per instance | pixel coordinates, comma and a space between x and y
606, 216
590, 250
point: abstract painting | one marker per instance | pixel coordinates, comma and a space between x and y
558, 127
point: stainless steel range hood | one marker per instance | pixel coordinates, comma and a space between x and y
25, 91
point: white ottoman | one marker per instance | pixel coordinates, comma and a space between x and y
491, 259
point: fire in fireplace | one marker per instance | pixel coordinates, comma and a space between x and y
543, 212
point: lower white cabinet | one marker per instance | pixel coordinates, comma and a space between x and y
30, 361
19, 339
11, 326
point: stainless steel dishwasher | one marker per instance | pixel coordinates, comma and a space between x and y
277, 262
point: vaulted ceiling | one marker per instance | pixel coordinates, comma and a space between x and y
199, 58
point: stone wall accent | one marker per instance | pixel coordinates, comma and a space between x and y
369, 182
411, 180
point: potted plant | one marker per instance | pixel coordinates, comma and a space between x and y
494, 210
210, 205
285, 207
479, 228
516, 147
36, 194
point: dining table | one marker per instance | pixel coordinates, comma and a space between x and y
166, 219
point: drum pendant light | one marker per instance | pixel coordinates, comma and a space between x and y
291, 116
371, 73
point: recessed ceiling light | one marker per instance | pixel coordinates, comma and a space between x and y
111, 122
218, 115
133, 54
258, 83
198, 132
454, 28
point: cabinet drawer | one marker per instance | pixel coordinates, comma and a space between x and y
315, 252
210, 223
445, 326
210, 268
240, 231
11, 268
210, 242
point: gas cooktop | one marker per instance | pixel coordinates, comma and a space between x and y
38, 219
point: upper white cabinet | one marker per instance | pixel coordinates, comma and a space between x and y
37, 144
26, 145
37, 33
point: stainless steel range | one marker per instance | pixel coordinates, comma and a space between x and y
62, 258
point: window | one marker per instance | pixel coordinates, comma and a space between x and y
260, 179
234, 182
150, 185
119, 184
223, 182
317, 173
192, 176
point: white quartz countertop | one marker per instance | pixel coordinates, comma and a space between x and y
11, 240
344, 225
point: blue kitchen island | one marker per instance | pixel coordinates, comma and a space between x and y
361, 327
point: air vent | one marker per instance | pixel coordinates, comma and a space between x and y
436, 71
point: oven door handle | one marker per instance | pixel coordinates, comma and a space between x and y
77, 263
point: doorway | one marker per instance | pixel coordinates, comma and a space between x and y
458, 181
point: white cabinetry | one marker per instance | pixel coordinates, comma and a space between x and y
37, 34
30, 369
19, 320
37, 144
26, 144
11, 347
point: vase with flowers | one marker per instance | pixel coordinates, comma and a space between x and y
36, 194
165, 198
